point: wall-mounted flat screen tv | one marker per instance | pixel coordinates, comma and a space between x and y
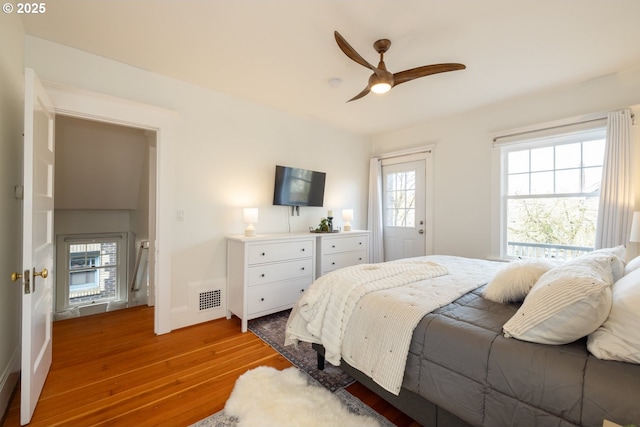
298, 187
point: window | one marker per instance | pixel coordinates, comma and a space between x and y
550, 194
91, 269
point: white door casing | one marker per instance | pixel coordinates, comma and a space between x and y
406, 199
37, 256
83, 104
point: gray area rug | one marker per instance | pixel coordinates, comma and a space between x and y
271, 330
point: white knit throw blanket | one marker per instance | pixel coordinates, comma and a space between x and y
380, 323
328, 303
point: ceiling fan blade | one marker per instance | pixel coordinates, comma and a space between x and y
351, 52
365, 91
427, 70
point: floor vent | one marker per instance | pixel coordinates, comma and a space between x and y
209, 300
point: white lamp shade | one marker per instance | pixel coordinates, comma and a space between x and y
635, 228
250, 217
347, 217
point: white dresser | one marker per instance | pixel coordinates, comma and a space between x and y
338, 250
267, 273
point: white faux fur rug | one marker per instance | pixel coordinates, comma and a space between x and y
265, 397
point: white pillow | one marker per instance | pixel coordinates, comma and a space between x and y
566, 303
632, 265
514, 281
617, 264
619, 336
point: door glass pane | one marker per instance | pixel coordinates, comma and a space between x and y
401, 199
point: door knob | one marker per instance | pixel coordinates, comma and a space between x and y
44, 273
15, 276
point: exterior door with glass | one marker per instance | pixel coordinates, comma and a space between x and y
404, 209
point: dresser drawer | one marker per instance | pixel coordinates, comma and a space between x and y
334, 262
266, 273
273, 295
334, 245
281, 251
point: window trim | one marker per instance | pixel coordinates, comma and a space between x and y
521, 139
63, 242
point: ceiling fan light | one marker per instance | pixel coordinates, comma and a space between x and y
380, 87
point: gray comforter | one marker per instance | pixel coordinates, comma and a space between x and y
460, 361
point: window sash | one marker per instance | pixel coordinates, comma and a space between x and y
592, 131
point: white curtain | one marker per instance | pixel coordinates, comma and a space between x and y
376, 250
616, 191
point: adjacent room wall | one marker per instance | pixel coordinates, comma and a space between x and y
464, 209
223, 159
11, 128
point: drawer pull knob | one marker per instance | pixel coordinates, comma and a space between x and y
302, 291
302, 269
360, 258
262, 275
333, 246
263, 254
333, 263
360, 243
302, 249
261, 299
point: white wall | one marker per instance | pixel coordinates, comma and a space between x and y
462, 157
222, 158
11, 128
98, 165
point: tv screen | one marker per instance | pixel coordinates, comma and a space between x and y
298, 187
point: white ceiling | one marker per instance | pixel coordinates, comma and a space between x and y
282, 53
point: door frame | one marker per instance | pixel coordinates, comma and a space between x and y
424, 153
79, 103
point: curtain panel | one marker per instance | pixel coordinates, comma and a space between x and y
616, 192
376, 250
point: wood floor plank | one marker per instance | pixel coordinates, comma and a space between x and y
111, 370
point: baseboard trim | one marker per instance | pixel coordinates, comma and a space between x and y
9, 383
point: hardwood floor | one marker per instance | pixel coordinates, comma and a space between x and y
111, 370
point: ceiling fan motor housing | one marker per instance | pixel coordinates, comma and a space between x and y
381, 82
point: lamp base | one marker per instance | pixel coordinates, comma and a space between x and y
346, 227
250, 231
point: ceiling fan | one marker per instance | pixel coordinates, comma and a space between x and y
381, 80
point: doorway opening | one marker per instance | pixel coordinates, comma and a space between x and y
104, 216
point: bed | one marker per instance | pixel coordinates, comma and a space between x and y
469, 362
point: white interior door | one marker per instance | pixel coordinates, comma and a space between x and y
37, 302
404, 209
